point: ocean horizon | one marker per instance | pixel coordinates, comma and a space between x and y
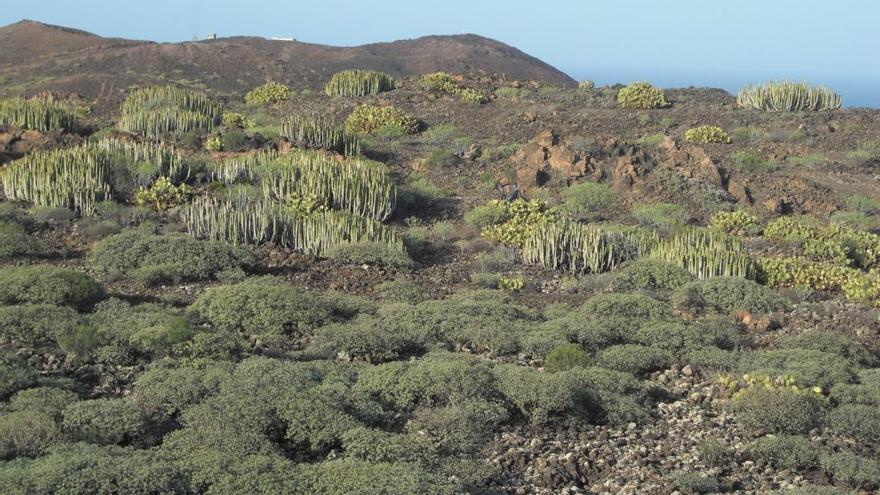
856, 90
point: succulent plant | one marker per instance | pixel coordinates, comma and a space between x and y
37, 114
158, 110
358, 82
788, 96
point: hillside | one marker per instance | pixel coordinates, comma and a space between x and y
39, 56
453, 284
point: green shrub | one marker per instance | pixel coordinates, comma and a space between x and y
270, 92
441, 159
713, 452
641, 95
831, 342
706, 134
367, 337
264, 307
729, 294
779, 410
651, 275
811, 489
42, 284
35, 324
15, 375
379, 446
169, 258
753, 161
856, 421
628, 306
786, 452
103, 421
26, 434
809, 368
866, 392
545, 397
586, 85
482, 216
788, 97
678, 338
663, 216
368, 118
47, 400
546, 338
566, 357
358, 82
369, 253
14, 241
691, 483
347, 476
435, 380
163, 392
852, 469
461, 427
634, 359
588, 200
401, 291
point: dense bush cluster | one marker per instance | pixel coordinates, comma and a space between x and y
171, 258
270, 92
158, 110
37, 114
358, 82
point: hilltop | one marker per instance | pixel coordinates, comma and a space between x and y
35, 56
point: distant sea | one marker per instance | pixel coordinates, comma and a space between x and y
860, 90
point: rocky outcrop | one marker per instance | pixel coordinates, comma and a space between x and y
548, 157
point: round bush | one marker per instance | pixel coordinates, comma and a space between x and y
661, 215
628, 306
729, 294
26, 433
856, 421
634, 359
649, 274
588, 200
36, 324
47, 400
777, 410
566, 357
154, 259
263, 307
852, 469
14, 241
369, 253
785, 451
103, 421
14, 374
49, 285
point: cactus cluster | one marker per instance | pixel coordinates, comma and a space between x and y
256, 222
706, 253
369, 118
81, 176
319, 132
356, 185
788, 96
358, 82
641, 95
576, 248
158, 110
37, 114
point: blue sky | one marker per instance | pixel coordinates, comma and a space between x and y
670, 42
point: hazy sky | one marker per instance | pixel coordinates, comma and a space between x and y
671, 42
